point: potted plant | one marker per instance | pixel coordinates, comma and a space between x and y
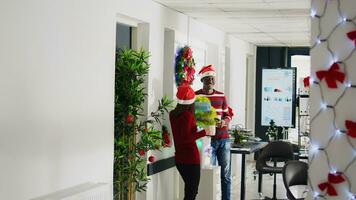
135, 134
272, 131
205, 115
240, 135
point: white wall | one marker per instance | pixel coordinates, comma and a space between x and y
332, 145
239, 50
57, 88
56, 85
302, 63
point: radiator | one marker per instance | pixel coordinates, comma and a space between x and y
85, 191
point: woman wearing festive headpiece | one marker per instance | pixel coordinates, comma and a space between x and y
185, 133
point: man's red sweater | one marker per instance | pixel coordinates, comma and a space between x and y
185, 133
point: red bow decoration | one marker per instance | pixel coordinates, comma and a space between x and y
187, 53
306, 81
351, 128
332, 179
352, 36
189, 74
331, 76
329, 188
335, 178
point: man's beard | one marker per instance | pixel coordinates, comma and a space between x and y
209, 87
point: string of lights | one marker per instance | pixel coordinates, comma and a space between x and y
338, 81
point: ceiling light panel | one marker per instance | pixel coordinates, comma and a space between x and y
279, 21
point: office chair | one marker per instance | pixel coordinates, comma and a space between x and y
275, 151
294, 173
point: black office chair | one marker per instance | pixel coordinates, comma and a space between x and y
276, 151
294, 173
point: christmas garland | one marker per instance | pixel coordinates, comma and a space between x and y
184, 66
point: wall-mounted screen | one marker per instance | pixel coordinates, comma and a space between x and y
278, 97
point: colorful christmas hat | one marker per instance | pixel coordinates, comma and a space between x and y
207, 71
185, 94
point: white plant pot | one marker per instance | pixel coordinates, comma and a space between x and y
210, 130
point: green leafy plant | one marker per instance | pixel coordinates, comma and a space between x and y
240, 134
205, 114
272, 130
135, 134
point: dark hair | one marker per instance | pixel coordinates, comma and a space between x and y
182, 108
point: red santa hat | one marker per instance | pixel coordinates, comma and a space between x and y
207, 71
185, 94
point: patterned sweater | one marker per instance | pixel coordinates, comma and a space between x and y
218, 101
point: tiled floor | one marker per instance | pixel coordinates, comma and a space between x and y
251, 185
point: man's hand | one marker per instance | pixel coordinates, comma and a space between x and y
221, 124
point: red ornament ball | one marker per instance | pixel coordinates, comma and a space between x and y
129, 119
151, 158
141, 152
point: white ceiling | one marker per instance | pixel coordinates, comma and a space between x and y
261, 22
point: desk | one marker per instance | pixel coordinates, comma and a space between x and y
246, 149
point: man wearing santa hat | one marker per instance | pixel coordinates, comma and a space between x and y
220, 143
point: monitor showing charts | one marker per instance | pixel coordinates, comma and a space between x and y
278, 97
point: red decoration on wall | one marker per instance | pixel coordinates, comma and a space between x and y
330, 190
129, 119
184, 66
166, 141
331, 76
187, 53
141, 152
189, 77
151, 158
351, 128
306, 81
352, 36
333, 178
